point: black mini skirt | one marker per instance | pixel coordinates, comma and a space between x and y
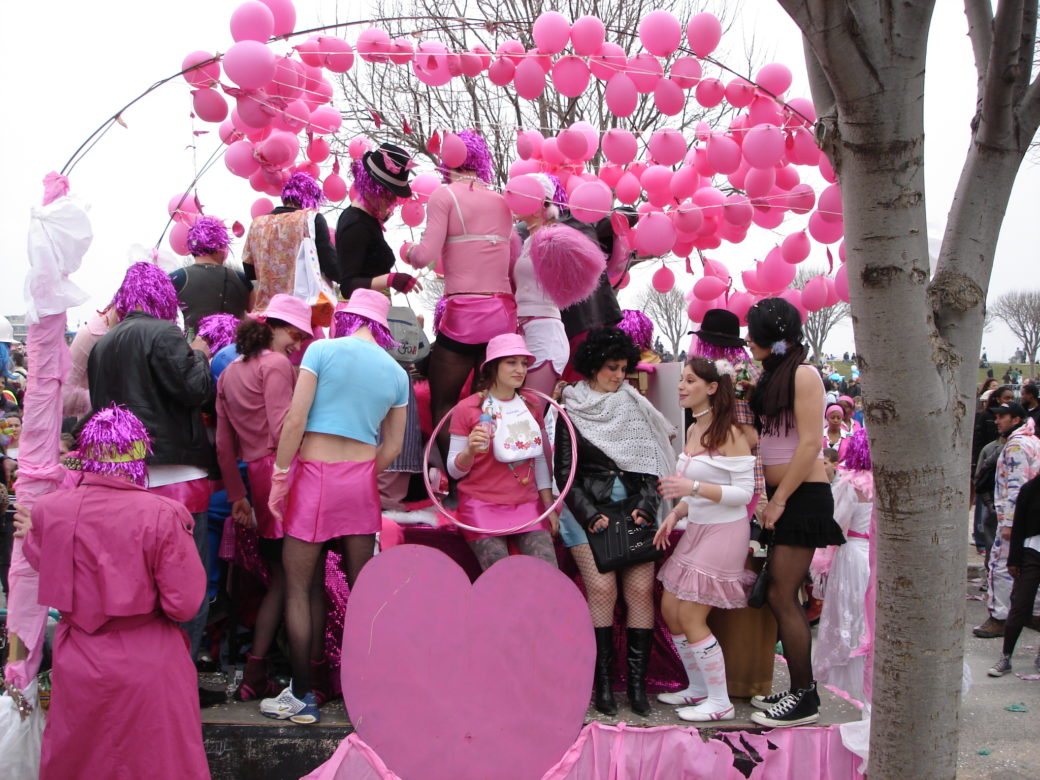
808, 518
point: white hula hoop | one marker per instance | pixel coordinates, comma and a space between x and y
504, 532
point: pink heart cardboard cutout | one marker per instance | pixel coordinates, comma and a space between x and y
444, 679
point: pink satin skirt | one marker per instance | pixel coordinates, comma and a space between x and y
194, 494
329, 500
260, 487
476, 319
498, 517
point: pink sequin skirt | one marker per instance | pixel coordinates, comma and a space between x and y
498, 517
329, 500
260, 488
707, 566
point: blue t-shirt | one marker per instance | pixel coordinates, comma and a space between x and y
358, 383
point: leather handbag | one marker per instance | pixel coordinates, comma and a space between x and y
623, 543
760, 590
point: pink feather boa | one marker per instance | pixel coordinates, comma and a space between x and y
567, 265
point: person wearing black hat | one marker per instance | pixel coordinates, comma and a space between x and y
1018, 463
364, 258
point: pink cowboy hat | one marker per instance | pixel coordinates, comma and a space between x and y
288, 309
369, 304
506, 345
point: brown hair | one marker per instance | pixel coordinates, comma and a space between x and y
252, 337
722, 402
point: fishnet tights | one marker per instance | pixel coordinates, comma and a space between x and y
491, 549
637, 586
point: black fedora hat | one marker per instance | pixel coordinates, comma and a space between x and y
721, 328
388, 165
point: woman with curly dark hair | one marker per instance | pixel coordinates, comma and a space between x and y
623, 449
788, 403
253, 396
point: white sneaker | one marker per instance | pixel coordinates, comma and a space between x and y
283, 706
705, 713
681, 698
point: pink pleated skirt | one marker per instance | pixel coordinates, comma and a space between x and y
329, 500
260, 487
707, 566
498, 517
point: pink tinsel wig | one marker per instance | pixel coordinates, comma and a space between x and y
344, 323
147, 288
703, 349
857, 453
217, 330
478, 159
638, 327
206, 236
566, 264
115, 443
301, 190
369, 191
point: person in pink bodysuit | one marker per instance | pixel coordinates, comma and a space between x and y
468, 228
120, 564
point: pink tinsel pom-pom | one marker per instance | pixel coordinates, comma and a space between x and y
344, 323
217, 330
114, 442
147, 288
567, 265
638, 327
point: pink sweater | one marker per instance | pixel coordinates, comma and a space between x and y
253, 397
470, 232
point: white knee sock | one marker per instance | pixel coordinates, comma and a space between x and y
712, 666
697, 687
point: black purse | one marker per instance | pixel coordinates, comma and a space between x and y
623, 543
760, 590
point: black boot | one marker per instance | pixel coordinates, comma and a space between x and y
603, 697
638, 659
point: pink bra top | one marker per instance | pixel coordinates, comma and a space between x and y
776, 449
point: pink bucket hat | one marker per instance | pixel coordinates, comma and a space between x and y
506, 345
288, 309
369, 304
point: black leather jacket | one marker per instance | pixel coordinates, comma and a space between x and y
595, 479
145, 364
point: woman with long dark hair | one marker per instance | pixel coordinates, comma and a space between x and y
788, 402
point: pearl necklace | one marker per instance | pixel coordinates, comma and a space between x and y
698, 415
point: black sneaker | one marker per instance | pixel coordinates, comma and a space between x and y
766, 702
797, 708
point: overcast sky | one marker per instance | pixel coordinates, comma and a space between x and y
69, 65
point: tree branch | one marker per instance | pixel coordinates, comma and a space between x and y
996, 120
980, 33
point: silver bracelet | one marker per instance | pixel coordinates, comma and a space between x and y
696, 488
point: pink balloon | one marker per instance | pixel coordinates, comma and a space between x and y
723, 153
610, 61
763, 146
587, 36
637, 169
774, 77
311, 169
252, 21
773, 273
325, 120
254, 110
645, 71
311, 53
529, 80
709, 92
740, 92
591, 201
687, 217
288, 79
801, 199
750, 279
827, 170
832, 293
182, 208
686, 72
829, 204
249, 64
357, 147
529, 144
684, 182
179, 239
209, 105
374, 45
663, 279
717, 269
660, 33
823, 230
512, 50
570, 76
804, 150
667, 146
704, 31
656, 178
737, 210
619, 146
841, 250
786, 177
710, 200
453, 151
423, 186
768, 218
654, 235
339, 55
708, 288
284, 14
260, 207
621, 95
572, 144
794, 297
795, 247
524, 195
591, 136
256, 136
279, 150
668, 97
801, 112
610, 174
759, 181
227, 132
698, 308
521, 167
200, 76
239, 159
334, 187
430, 63
402, 52
551, 32
628, 188
764, 111
841, 283
739, 303
501, 72
296, 116
551, 153
413, 213
814, 294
